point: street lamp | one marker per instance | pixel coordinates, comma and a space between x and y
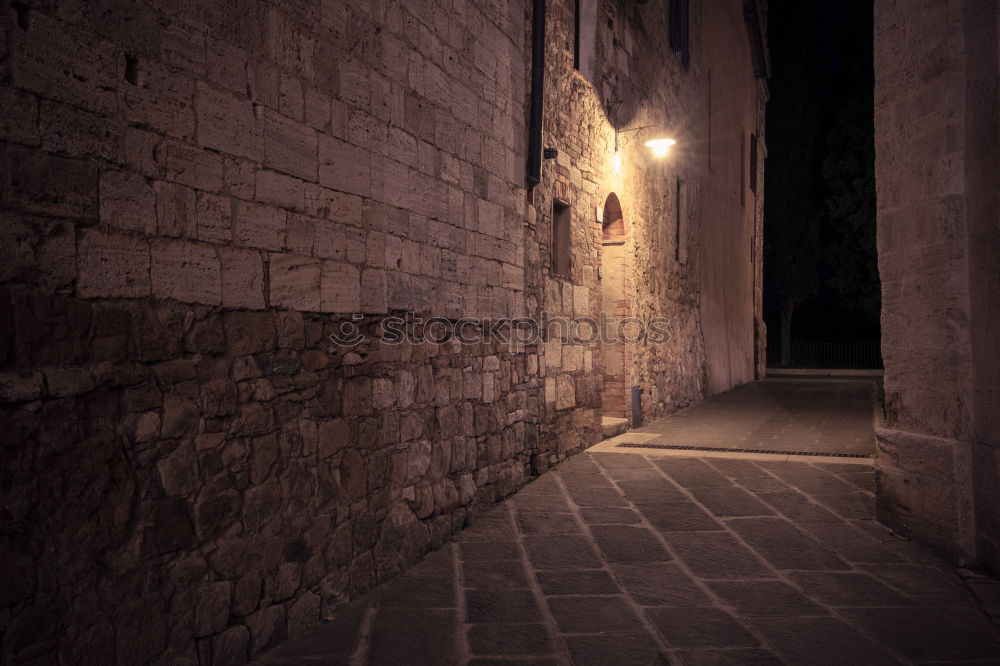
660, 145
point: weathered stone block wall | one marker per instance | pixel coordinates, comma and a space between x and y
578, 125
198, 196
194, 197
938, 229
983, 122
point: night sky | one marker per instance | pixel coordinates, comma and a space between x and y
819, 223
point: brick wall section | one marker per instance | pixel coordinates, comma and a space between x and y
195, 197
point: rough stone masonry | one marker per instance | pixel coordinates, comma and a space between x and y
937, 95
196, 195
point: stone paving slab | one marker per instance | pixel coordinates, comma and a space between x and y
659, 571
653, 557
824, 415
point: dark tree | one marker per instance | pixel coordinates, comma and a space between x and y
793, 188
849, 172
819, 226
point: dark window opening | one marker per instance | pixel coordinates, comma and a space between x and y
23, 12
708, 123
576, 35
560, 238
132, 74
678, 26
743, 169
753, 163
585, 38
680, 223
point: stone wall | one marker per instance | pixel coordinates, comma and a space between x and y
198, 197
194, 195
641, 82
938, 238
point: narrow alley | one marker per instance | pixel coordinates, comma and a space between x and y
653, 556
460, 333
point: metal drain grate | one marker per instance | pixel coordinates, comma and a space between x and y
678, 447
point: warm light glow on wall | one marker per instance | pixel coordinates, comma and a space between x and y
660, 147
617, 162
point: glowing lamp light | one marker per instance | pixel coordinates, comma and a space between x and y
660, 147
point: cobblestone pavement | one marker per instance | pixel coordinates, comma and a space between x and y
619, 558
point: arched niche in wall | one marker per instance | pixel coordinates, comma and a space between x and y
613, 224
615, 307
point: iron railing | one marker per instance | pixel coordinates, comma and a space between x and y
854, 355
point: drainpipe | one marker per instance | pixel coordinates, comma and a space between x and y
636, 407
537, 92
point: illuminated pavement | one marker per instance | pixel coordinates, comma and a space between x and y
825, 415
648, 557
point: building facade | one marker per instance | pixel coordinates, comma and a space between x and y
217, 219
937, 158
